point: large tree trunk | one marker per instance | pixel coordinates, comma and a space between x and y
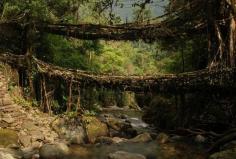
222, 33
232, 36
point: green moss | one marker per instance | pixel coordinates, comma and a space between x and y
8, 137
94, 128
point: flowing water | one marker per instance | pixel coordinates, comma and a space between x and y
152, 150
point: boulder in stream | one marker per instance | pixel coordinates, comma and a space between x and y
145, 137
110, 140
72, 131
162, 138
94, 128
54, 151
120, 128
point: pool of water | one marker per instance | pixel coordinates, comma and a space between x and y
151, 150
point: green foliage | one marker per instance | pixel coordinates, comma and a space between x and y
24, 102
141, 15
38, 10
72, 114
56, 108
118, 58
90, 113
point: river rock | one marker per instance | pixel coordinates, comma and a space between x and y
94, 128
117, 140
8, 120
115, 124
104, 140
123, 116
200, 139
29, 153
25, 140
176, 138
13, 146
145, 137
77, 136
37, 135
6, 156
229, 145
57, 124
29, 125
125, 155
54, 151
70, 130
162, 138
226, 154
120, 128
129, 132
109, 140
7, 153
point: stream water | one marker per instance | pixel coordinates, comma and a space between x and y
152, 150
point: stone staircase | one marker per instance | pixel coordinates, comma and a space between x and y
11, 114
31, 125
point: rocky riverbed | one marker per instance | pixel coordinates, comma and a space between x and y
113, 134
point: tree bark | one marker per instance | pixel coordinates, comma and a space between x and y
78, 108
69, 101
30, 73
232, 35
47, 107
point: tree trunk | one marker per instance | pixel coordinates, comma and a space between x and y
69, 101
30, 73
46, 107
27, 49
232, 37
78, 108
222, 33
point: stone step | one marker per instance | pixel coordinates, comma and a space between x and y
3, 89
18, 115
14, 113
8, 109
3, 86
22, 118
6, 101
3, 95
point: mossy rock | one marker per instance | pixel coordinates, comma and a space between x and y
227, 154
94, 128
8, 137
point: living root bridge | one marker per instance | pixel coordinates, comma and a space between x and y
203, 80
148, 33
18, 61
